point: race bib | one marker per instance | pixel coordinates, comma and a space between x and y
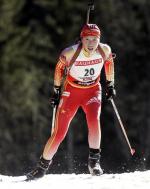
87, 69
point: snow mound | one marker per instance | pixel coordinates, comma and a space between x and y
134, 180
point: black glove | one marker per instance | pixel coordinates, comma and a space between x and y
110, 90
54, 100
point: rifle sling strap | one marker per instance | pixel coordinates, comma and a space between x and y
76, 54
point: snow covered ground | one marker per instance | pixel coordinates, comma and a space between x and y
135, 180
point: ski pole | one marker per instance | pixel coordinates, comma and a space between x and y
53, 119
132, 151
90, 7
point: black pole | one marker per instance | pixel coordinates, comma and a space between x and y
90, 7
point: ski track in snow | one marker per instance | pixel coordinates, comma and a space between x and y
134, 180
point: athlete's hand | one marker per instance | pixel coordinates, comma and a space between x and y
110, 90
54, 100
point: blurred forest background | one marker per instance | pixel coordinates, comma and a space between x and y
32, 35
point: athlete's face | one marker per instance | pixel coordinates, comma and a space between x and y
90, 43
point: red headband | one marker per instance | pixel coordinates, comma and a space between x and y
90, 30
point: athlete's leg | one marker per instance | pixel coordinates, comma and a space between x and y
92, 109
66, 110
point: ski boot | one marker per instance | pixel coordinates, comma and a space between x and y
94, 162
40, 170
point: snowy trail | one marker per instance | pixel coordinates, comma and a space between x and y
135, 180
